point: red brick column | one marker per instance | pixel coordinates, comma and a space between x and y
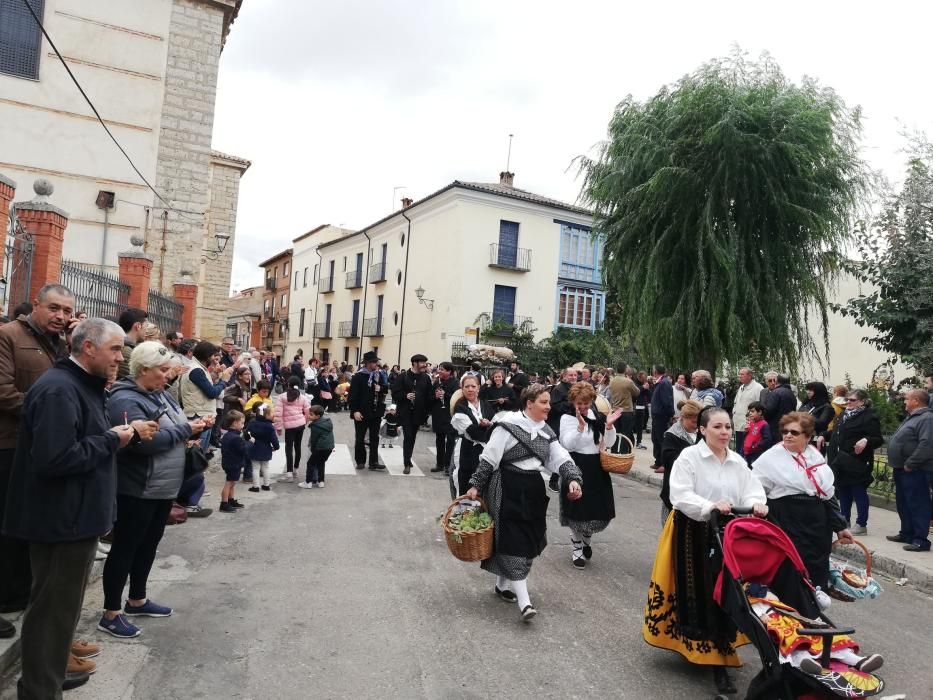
186, 294
47, 224
136, 271
7, 190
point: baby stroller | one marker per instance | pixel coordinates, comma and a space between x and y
759, 553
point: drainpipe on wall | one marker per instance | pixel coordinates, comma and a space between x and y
362, 319
401, 326
317, 294
103, 248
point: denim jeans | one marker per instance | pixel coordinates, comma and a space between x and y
857, 493
912, 494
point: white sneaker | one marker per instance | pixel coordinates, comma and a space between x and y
305, 485
103, 547
320, 484
285, 478
859, 530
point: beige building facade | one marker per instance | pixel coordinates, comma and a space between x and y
150, 67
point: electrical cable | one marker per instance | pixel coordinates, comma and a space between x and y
97, 114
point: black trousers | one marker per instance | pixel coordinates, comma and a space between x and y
366, 426
293, 447
14, 554
641, 421
626, 426
409, 433
445, 442
59, 577
659, 425
316, 463
136, 536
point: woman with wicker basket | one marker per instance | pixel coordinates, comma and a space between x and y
508, 476
472, 419
801, 494
681, 614
584, 435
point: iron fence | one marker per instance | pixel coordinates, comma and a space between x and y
17, 265
883, 485
348, 329
509, 258
99, 294
164, 311
372, 327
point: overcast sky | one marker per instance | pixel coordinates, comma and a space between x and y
337, 103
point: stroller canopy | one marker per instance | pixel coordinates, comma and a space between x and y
753, 550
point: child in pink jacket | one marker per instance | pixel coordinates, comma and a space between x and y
291, 417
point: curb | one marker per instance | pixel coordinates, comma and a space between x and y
10, 648
891, 568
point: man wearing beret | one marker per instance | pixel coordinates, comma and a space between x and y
413, 397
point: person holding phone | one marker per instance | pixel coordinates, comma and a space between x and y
413, 396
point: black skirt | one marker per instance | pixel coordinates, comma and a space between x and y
469, 460
805, 519
597, 502
521, 524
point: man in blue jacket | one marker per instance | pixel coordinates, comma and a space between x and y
662, 411
910, 454
62, 495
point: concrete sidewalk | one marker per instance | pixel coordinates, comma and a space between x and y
888, 558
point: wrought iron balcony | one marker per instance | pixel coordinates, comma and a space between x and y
322, 330
270, 283
372, 327
348, 329
354, 279
505, 325
325, 285
377, 273
509, 258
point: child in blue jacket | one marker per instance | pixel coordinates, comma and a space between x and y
265, 442
234, 455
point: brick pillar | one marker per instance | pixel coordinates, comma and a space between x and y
7, 190
46, 223
186, 294
136, 271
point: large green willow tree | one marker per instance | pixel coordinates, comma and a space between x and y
725, 201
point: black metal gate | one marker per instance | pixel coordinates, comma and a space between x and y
98, 294
17, 265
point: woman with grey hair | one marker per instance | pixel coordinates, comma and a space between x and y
149, 475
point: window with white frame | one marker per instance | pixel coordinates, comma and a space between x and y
580, 254
284, 301
578, 307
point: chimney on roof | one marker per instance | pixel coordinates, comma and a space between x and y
406, 202
506, 178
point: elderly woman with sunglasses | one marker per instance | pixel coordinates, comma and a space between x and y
801, 494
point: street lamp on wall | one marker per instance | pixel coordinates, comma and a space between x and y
429, 303
221, 245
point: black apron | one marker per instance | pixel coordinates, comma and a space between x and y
597, 502
469, 460
522, 521
806, 521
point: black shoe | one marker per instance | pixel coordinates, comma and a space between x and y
8, 629
437, 469
723, 681
254, 489
579, 563
528, 612
587, 551
227, 508
235, 503
374, 467
506, 595
553, 483
75, 680
361, 466
14, 607
406, 470
896, 538
916, 548
266, 488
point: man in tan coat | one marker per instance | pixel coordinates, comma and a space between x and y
622, 395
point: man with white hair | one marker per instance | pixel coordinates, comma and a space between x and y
749, 391
62, 495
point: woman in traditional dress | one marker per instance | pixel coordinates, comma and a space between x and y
680, 614
472, 419
677, 438
582, 435
508, 476
801, 494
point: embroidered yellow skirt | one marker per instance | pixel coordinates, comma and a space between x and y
680, 614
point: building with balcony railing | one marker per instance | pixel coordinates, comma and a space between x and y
354, 279
372, 327
348, 329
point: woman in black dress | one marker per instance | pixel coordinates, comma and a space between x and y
472, 420
498, 394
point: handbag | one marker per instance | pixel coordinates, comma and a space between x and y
196, 461
326, 395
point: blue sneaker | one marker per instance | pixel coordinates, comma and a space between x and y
147, 609
118, 627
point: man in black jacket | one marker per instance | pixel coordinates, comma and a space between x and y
446, 438
62, 495
413, 396
559, 406
778, 402
366, 400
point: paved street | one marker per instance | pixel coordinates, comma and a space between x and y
350, 592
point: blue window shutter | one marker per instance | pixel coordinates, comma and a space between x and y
508, 244
503, 305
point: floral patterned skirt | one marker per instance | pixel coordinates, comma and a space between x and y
681, 614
